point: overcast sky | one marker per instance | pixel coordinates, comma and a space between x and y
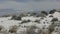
29, 5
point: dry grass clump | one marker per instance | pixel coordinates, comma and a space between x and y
13, 29
33, 30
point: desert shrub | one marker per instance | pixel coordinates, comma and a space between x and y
13, 17
54, 19
13, 29
37, 15
42, 15
39, 31
52, 11
25, 21
16, 17
31, 30
28, 20
51, 28
51, 16
45, 31
44, 12
38, 21
33, 14
23, 14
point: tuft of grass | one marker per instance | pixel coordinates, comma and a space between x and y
13, 29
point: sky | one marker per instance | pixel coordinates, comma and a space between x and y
29, 5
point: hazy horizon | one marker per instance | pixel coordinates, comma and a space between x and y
10, 6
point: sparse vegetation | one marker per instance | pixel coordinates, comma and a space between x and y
23, 14
42, 15
13, 29
51, 16
25, 21
52, 11
32, 30
44, 12
33, 14
37, 15
40, 25
16, 17
13, 17
51, 28
54, 19
38, 21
